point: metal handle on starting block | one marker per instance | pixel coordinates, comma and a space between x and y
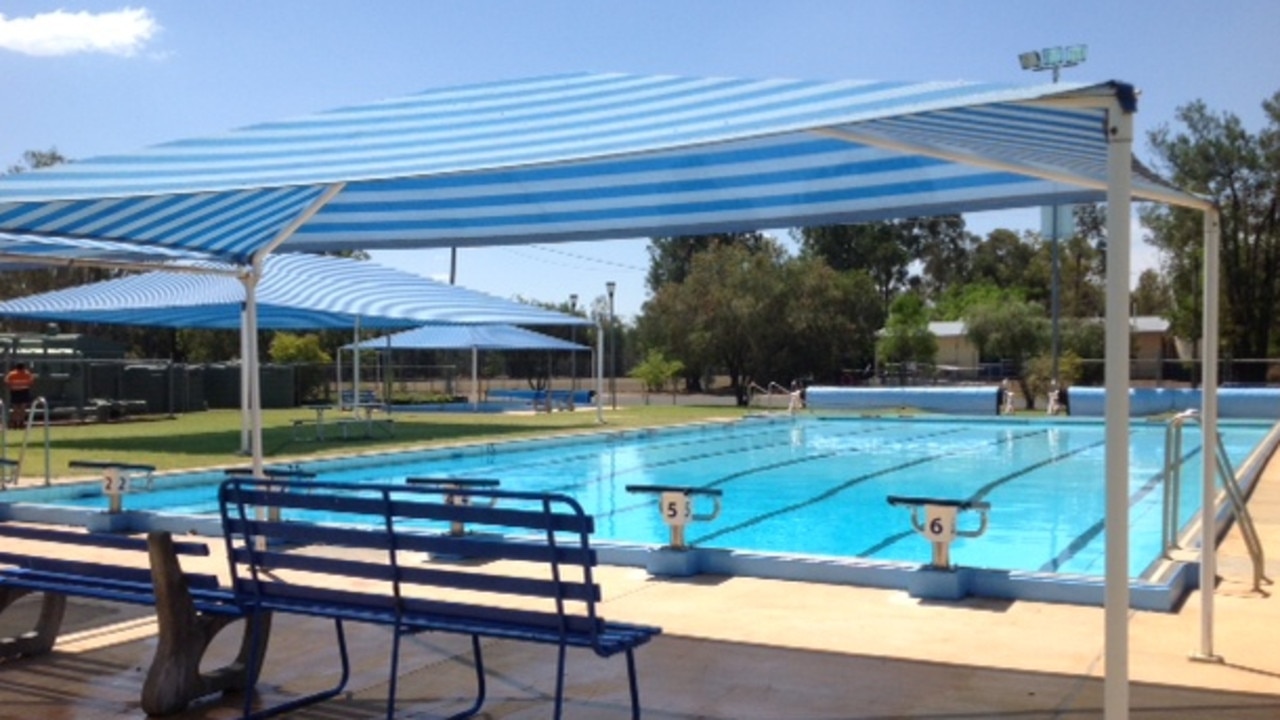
675, 505
939, 525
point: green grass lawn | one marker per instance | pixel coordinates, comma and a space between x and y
208, 439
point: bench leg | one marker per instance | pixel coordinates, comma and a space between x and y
480, 685
635, 690
291, 705
41, 638
175, 679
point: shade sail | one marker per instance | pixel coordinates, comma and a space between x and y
588, 156
297, 291
23, 252
479, 337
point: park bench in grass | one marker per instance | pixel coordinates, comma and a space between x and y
384, 554
191, 608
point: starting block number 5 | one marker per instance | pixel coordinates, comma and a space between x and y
676, 508
940, 522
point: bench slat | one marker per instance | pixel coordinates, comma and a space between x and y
469, 547
97, 571
402, 506
498, 584
381, 607
88, 539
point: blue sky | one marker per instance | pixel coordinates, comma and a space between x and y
104, 77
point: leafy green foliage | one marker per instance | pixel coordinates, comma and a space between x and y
906, 337
657, 372
1215, 155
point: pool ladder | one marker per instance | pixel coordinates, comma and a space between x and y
1173, 484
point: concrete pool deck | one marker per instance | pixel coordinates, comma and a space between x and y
745, 648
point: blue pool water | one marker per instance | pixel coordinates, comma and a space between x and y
814, 486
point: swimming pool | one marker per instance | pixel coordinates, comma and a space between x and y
810, 486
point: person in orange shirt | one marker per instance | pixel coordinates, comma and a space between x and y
19, 380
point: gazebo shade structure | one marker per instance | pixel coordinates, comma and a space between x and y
470, 337
594, 156
480, 337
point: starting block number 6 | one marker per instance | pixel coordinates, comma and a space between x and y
940, 522
676, 508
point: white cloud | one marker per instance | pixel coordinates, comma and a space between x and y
120, 32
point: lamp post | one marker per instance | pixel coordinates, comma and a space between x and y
573, 354
1054, 59
611, 286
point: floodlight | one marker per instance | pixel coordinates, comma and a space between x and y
1030, 60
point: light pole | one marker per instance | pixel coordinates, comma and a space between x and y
1054, 59
573, 354
611, 286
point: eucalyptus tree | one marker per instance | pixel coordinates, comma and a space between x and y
1009, 330
1214, 155
670, 258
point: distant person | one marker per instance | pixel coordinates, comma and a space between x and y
19, 380
1058, 400
1004, 398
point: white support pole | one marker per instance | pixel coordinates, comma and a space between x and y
599, 372
337, 371
1116, 606
246, 419
475, 378
251, 360
355, 371
1209, 434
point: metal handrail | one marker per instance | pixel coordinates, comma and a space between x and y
40, 406
1172, 493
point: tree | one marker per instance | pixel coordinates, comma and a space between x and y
1215, 156
907, 338
1152, 296
657, 373
1002, 260
1011, 331
670, 258
883, 249
309, 359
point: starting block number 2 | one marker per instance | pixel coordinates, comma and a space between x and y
115, 482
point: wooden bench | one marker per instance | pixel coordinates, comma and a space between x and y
191, 608
384, 554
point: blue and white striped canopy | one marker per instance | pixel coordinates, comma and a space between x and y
468, 337
590, 156
21, 252
297, 291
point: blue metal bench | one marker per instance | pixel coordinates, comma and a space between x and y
542, 592
191, 608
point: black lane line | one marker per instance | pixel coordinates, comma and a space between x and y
613, 438
781, 464
1081, 541
694, 458
832, 492
987, 489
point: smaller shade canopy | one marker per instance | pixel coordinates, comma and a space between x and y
297, 291
20, 251
479, 337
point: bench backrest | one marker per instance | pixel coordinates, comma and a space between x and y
74, 558
388, 548
367, 397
